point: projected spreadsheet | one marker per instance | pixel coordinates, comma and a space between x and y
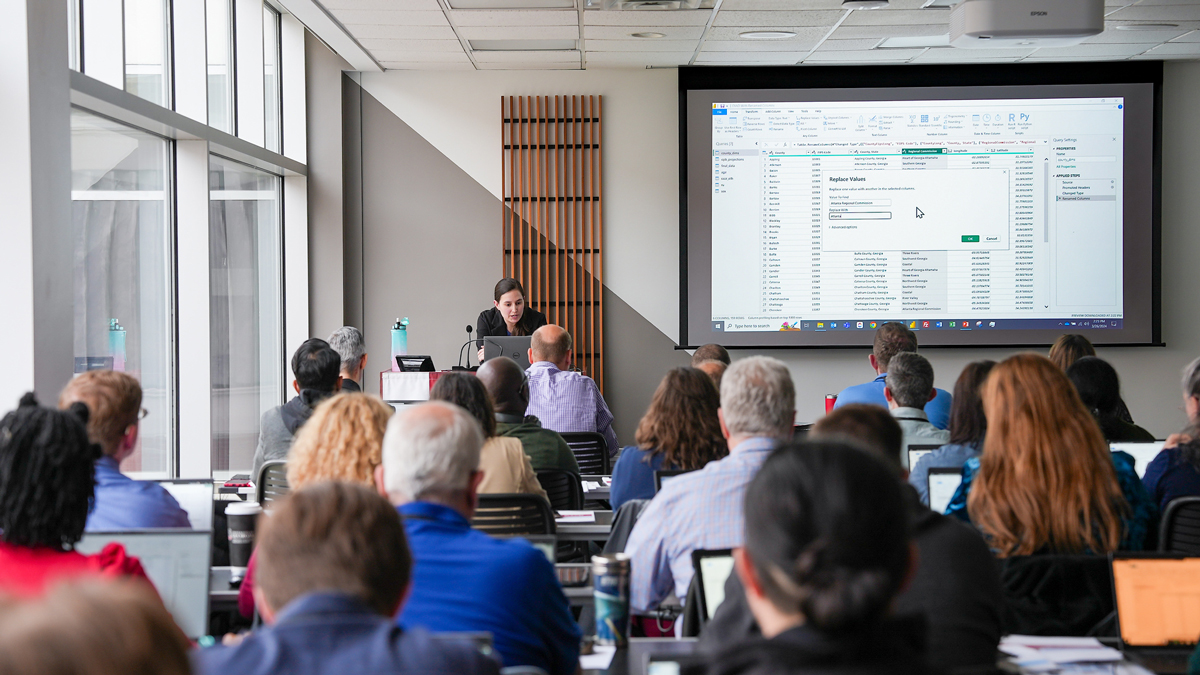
954, 215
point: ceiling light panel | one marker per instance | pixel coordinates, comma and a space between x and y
774, 20
480, 17
391, 18
640, 20
519, 32
622, 32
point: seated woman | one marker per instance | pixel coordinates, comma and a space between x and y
1100, 390
1175, 472
827, 550
967, 426
505, 466
1046, 481
46, 488
679, 431
1068, 349
343, 441
509, 315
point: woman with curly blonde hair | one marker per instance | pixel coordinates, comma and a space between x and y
343, 440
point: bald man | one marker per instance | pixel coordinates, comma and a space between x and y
505, 382
564, 400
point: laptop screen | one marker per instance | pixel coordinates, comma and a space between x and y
1143, 453
1158, 600
176, 562
943, 483
714, 571
195, 497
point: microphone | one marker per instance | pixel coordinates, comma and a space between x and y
460, 349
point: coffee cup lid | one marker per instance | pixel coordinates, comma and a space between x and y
243, 509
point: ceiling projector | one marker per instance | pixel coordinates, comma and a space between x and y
1001, 24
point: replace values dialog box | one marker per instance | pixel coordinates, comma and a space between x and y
906, 210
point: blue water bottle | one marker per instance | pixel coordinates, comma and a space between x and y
116, 345
399, 341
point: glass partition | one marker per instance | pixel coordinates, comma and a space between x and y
220, 65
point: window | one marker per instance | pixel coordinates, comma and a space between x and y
272, 94
123, 270
220, 65
246, 317
146, 50
73, 34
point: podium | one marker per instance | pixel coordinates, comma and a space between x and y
400, 387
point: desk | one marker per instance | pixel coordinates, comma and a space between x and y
597, 531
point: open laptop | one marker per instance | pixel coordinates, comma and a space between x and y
195, 497
1143, 453
943, 483
1157, 597
515, 347
712, 569
176, 562
663, 476
917, 451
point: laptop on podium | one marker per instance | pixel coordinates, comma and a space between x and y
1157, 597
515, 347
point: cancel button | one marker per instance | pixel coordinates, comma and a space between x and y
995, 238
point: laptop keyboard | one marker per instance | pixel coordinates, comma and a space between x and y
1168, 663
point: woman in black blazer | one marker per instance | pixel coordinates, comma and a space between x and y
509, 314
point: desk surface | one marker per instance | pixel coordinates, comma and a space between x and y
597, 531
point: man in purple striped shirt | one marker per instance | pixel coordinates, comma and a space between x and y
564, 400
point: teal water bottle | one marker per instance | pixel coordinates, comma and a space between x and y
116, 345
399, 341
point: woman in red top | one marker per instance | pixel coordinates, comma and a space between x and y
46, 489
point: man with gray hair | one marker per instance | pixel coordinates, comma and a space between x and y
702, 510
348, 342
908, 387
463, 580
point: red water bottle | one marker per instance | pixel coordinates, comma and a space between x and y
830, 400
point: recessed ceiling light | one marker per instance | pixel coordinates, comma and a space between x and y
648, 36
864, 4
1147, 26
767, 35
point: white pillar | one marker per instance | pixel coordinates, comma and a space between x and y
195, 361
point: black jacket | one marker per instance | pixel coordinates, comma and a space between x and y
956, 588
891, 648
492, 323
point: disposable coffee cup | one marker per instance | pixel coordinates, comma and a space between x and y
243, 518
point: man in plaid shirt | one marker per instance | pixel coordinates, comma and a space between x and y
702, 510
564, 400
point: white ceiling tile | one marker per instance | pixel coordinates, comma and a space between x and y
731, 33
489, 17
691, 17
391, 18
526, 57
529, 66
382, 32
1113, 36
632, 45
519, 32
641, 59
1144, 11
874, 55
623, 32
416, 65
776, 19
897, 17
1193, 36
377, 5
1165, 57
793, 45
787, 5
421, 57
1176, 49
778, 58
952, 55
1101, 51
843, 45
860, 32
376, 46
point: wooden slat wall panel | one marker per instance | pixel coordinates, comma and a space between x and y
553, 213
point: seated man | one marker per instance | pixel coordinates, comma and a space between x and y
333, 569
703, 509
710, 352
505, 383
348, 342
955, 586
465, 580
908, 388
891, 339
318, 376
114, 401
564, 400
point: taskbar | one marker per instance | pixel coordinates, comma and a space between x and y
821, 325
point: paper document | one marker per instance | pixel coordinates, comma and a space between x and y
574, 517
1030, 650
599, 660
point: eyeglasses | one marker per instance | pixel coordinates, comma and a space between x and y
142, 412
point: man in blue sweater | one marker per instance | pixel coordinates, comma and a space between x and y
891, 339
464, 580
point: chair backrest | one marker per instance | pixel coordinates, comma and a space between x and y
563, 488
591, 451
508, 515
272, 482
1179, 531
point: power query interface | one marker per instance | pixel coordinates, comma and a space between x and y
959, 214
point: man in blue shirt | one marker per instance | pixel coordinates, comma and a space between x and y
465, 580
891, 339
333, 570
114, 401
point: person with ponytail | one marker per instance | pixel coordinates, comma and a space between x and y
46, 489
827, 550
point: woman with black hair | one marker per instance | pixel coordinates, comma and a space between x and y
1100, 389
826, 552
46, 490
510, 314
967, 427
